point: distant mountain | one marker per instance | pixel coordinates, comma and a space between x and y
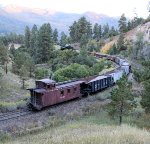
14, 18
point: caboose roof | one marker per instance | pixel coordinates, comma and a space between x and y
39, 90
46, 81
69, 84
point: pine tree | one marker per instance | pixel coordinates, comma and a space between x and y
122, 24
33, 41
120, 42
73, 31
122, 99
84, 40
63, 39
55, 36
112, 32
105, 33
96, 31
4, 56
27, 37
100, 32
79, 28
45, 43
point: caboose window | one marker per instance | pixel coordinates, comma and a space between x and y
62, 92
68, 90
75, 89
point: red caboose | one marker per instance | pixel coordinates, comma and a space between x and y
48, 93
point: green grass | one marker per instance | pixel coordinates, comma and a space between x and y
11, 106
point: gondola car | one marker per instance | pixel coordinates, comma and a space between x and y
99, 83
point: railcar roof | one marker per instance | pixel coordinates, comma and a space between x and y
98, 78
47, 81
125, 63
39, 90
69, 84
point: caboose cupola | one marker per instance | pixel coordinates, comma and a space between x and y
45, 83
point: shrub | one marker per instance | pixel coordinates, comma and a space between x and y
41, 73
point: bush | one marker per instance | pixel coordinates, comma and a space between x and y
73, 71
4, 136
41, 73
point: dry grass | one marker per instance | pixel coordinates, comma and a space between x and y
86, 133
11, 88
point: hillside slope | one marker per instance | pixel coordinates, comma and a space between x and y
130, 35
87, 133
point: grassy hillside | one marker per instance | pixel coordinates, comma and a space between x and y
87, 133
12, 95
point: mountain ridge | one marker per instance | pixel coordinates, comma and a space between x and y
15, 18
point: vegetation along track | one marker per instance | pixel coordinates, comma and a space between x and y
12, 115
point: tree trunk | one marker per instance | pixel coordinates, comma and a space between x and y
23, 80
30, 71
6, 68
120, 117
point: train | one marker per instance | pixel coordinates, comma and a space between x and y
47, 92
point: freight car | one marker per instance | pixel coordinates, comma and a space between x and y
48, 92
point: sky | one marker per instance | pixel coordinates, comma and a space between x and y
107, 7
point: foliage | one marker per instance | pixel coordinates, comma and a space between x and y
12, 38
138, 45
3, 53
27, 37
63, 39
92, 45
45, 43
134, 22
145, 102
97, 31
55, 36
73, 71
41, 73
80, 28
120, 43
23, 59
122, 24
62, 58
33, 42
122, 99
106, 48
113, 50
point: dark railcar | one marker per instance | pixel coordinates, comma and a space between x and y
47, 93
100, 83
67, 46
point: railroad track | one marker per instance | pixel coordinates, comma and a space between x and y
12, 115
